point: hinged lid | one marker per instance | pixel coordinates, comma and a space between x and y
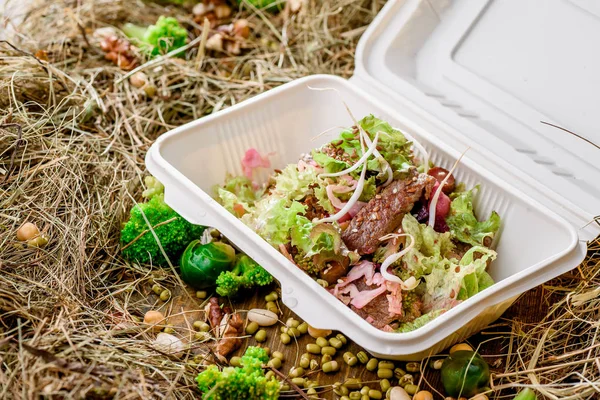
487, 73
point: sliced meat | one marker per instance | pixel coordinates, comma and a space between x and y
384, 213
377, 310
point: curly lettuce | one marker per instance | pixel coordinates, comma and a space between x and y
237, 195
431, 248
392, 146
463, 223
273, 219
452, 282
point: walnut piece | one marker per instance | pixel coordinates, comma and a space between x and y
230, 341
118, 50
214, 314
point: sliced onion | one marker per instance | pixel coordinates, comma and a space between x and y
362, 160
386, 165
333, 199
392, 259
436, 195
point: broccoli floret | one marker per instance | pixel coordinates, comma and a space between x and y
174, 235
245, 274
164, 36
247, 382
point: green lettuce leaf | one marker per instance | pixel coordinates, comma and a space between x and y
395, 148
329, 164
273, 220
464, 225
470, 285
313, 239
236, 192
323, 200
293, 184
419, 322
451, 281
430, 249
231, 202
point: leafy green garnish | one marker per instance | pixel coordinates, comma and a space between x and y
465, 226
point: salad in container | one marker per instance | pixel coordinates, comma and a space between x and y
391, 236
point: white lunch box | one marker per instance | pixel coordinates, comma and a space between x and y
451, 74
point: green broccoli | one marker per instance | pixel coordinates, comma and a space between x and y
174, 235
164, 36
248, 382
245, 274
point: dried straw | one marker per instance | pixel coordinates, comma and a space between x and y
72, 146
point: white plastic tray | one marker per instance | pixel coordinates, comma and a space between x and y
535, 243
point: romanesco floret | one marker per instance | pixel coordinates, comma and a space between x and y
247, 382
245, 274
174, 235
164, 36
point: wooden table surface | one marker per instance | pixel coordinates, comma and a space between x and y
184, 309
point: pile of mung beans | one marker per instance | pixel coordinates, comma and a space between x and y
318, 356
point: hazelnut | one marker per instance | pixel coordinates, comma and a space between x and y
139, 79
241, 28
27, 231
222, 11
201, 9
153, 318
215, 42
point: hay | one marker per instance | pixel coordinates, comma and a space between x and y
559, 356
72, 144
70, 312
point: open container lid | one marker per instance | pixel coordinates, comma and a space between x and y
485, 74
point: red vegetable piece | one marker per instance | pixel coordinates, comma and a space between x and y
440, 174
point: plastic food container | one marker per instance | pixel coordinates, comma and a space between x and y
484, 97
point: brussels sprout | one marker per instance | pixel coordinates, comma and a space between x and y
465, 373
201, 264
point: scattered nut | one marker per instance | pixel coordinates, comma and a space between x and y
222, 11
27, 231
169, 344
241, 28
153, 318
139, 79
215, 42
201, 9
316, 333
460, 347
262, 317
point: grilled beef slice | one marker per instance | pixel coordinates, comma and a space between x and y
384, 213
378, 308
